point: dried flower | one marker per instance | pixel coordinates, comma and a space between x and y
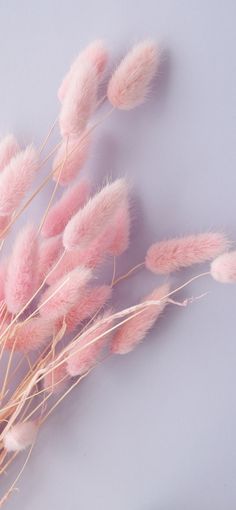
92, 299
29, 335
70, 158
223, 268
167, 256
22, 274
72, 199
128, 86
56, 380
8, 149
49, 252
20, 436
132, 332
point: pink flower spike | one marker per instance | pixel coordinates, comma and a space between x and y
20, 436
4, 222
8, 149
223, 268
121, 231
16, 179
49, 252
58, 299
85, 358
167, 256
132, 332
3, 275
129, 84
21, 274
29, 335
90, 301
96, 54
56, 380
99, 211
70, 158
80, 100
58, 216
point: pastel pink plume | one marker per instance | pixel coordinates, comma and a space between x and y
58, 216
167, 256
49, 252
29, 335
132, 332
92, 219
16, 179
91, 300
22, 273
9, 147
129, 84
58, 299
223, 268
70, 158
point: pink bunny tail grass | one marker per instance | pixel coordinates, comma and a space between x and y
56, 380
16, 179
121, 232
3, 275
20, 436
92, 300
131, 333
167, 256
58, 299
58, 216
96, 54
85, 358
4, 222
223, 268
90, 221
70, 158
49, 252
29, 335
80, 100
128, 86
8, 149
22, 273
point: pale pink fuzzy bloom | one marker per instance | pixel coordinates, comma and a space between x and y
90, 221
3, 275
56, 380
70, 158
167, 256
132, 332
8, 149
20, 436
130, 82
83, 360
58, 299
29, 335
4, 222
80, 101
49, 252
121, 231
96, 54
88, 304
223, 268
16, 179
22, 270
58, 216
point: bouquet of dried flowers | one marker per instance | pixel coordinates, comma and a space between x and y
56, 320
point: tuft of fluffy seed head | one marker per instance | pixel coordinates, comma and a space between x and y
132, 332
96, 54
80, 100
20, 436
70, 158
58, 299
49, 252
90, 221
22, 273
85, 358
56, 380
120, 232
3, 275
167, 256
4, 222
58, 216
130, 82
91, 300
8, 149
29, 335
223, 268
16, 179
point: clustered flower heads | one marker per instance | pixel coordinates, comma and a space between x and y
53, 302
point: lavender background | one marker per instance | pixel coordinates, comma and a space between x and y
154, 430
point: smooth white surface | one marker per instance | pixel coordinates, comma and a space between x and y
154, 430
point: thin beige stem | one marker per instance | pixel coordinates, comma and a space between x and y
48, 136
123, 277
12, 487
